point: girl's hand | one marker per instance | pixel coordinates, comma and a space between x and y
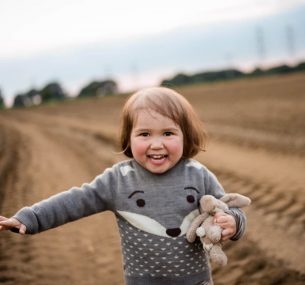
11, 224
228, 223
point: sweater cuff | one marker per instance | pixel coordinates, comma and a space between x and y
240, 220
28, 218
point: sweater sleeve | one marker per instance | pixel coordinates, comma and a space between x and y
240, 219
68, 206
215, 188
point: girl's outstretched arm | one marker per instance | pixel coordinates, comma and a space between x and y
12, 224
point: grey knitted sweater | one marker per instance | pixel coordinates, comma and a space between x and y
153, 212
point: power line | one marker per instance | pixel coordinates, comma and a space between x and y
260, 43
290, 40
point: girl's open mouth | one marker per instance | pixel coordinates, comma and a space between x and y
157, 159
157, 156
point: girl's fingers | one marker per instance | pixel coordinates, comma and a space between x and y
3, 218
227, 232
227, 223
220, 217
10, 223
22, 229
224, 238
7, 223
222, 221
3, 227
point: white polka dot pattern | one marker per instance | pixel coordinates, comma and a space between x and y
147, 254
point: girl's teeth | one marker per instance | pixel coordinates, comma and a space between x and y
159, 156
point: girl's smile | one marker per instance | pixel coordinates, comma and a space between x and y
156, 141
157, 159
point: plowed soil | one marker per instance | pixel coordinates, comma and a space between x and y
256, 147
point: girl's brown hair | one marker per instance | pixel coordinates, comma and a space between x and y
168, 103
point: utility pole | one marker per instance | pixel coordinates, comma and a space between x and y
260, 44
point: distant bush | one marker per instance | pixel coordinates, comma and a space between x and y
52, 92
2, 104
21, 100
300, 67
216, 75
30, 98
210, 76
99, 88
279, 69
179, 79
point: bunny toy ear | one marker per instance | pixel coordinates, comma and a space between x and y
235, 200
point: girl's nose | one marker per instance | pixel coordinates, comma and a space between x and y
156, 143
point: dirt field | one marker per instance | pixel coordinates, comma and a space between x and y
256, 147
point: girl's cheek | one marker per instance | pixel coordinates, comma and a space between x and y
139, 146
178, 145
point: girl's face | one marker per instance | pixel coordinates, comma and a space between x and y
156, 141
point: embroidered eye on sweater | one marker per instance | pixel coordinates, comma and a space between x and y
190, 198
140, 202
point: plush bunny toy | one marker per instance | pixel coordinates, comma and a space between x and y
209, 232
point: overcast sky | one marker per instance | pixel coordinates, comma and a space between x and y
33, 26
31, 30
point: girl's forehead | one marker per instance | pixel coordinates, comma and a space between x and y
147, 117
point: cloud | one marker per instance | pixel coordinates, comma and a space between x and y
32, 26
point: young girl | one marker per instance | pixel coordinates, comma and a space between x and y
154, 195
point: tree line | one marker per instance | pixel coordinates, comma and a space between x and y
53, 91
228, 74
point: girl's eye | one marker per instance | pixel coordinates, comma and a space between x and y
144, 134
167, 134
190, 198
140, 202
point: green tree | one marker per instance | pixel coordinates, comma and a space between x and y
22, 100
30, 98
2, 104
52, 92
99, 88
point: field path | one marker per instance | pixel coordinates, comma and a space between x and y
49, 160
